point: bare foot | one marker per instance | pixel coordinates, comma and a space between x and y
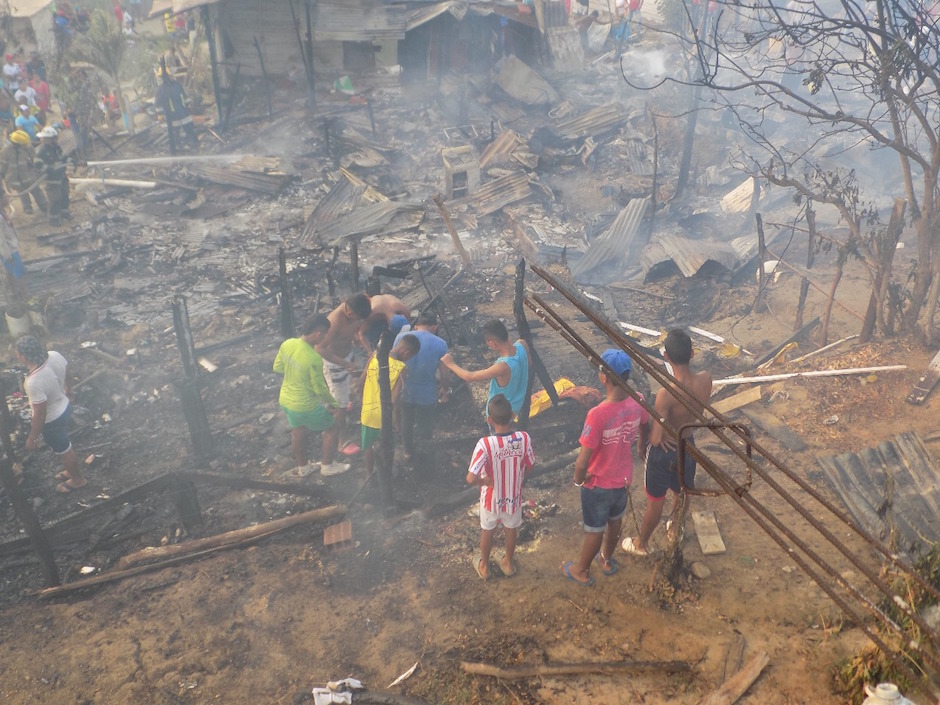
507, 567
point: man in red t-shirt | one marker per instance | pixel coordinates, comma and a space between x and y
604, 469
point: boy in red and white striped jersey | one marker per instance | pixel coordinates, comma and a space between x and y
499, 465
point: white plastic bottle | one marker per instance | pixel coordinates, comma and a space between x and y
885, 694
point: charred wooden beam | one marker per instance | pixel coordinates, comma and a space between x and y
386, 457
536, 366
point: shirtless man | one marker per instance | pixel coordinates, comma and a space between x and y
384, 308
662, 456
336, 350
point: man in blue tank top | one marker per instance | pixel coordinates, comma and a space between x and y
509, 375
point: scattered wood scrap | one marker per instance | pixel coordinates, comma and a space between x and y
706, 529
926, 383
262, 174
736, 686
230, 539
572, 669
748, 396
782, 433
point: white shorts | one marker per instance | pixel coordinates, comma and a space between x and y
337, 379
510, 520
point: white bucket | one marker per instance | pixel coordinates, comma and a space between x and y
17, 326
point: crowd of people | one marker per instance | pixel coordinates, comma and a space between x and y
317, 394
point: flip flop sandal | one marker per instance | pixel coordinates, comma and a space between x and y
601, 560
477, 560
566, 571
506, 573
66, 488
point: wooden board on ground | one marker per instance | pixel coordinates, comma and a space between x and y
775, 427
709, 537
736, 401
926, 383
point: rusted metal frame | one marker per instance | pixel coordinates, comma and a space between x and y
680, 459
640, 357
741, 497
758, 518
715, 472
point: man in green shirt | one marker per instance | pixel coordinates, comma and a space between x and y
305, 398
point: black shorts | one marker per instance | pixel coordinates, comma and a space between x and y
662, 474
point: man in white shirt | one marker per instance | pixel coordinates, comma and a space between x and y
48, 389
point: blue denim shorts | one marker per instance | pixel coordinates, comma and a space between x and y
56, 433
600, 505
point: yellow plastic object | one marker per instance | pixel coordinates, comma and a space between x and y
19, 137
729, 350
541, 401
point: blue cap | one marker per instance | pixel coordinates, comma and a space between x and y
397, 323
617, 360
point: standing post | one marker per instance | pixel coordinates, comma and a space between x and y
214, 62
20, 504
287, 297
387, 439
464, 257
184, 337
536, 366
354, 262
264, 75
311, 79
761, 258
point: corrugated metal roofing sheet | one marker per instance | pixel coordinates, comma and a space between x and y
342, 198
594, 122
358, 21
618, 242
689, 256
892, 490
371, 220
493, 195
419, 15
498, 150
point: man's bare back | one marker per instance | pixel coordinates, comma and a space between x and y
345, 321
677, 414
389, 305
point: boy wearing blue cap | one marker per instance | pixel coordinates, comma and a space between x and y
604, 469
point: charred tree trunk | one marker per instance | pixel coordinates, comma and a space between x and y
824, 331
810, 257
885, 247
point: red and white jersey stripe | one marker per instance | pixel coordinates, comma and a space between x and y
504, 457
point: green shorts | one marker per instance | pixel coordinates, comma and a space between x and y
369, 436
318, 419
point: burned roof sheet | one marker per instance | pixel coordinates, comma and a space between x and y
495, 194
666, 253
417, 16
892, 490
618, 243
595, 121
371, 219
499, 150
358, 21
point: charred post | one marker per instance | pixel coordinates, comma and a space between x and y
194, 410
386, 455
184, 337
286, 309
537, 367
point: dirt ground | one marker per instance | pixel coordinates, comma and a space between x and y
267, 622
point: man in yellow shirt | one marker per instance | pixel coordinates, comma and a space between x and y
371, 417
305, 398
